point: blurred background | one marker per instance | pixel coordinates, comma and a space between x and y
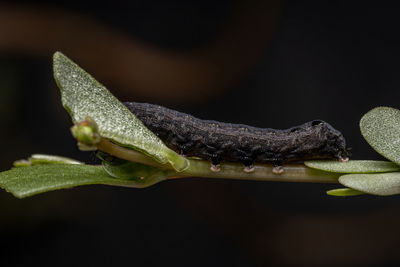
264, 63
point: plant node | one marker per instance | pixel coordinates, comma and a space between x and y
86, 132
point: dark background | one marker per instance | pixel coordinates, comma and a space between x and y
255, 62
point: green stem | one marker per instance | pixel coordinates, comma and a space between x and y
201, 168
262, 172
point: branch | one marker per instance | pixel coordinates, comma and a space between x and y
229, 170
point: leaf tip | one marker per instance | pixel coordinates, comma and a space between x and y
344, 192
57, 55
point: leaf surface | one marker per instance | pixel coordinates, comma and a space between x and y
381, 129
28, 181
353, 166
83, 96
37, 159
382, 184
143, 175
344, 192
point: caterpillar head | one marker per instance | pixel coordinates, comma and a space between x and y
334, 142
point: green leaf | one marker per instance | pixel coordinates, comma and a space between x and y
141, 174
353, 166
344, 192
37, 159
83, 96
28, 181
382, 184
381, 128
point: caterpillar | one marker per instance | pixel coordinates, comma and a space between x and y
218, 141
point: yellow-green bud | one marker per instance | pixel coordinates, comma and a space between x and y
86, 132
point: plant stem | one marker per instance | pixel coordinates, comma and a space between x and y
201, 168
262, 172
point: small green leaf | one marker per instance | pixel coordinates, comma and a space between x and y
344, 192
28, 181
83, 96
37, 159
141, 174
353, 166
382, 184
381, 128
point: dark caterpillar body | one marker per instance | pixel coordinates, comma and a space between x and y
217, 141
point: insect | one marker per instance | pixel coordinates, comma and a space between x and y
218, 141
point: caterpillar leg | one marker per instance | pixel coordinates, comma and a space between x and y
215, 163
248, 164
278, 169
184, 148
215, 168
343, 156
249, 169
